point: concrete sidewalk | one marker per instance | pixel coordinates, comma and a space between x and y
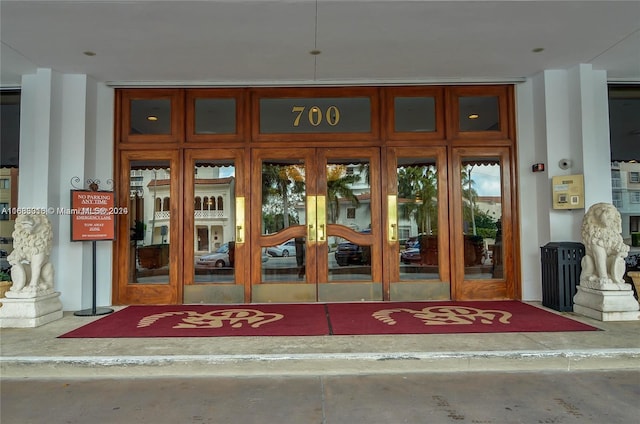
38, 353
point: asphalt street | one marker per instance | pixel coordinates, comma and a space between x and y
477, 398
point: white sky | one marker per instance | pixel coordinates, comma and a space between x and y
486, 180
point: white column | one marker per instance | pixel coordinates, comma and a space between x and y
534, 225
35, 133
561, 114
64, 135
593, 97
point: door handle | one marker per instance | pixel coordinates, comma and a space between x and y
311, 219
322, 218
392, 214
239, 220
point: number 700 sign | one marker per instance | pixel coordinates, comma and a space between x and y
314, 115
301, 115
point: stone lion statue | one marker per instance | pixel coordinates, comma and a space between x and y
31, 271
603, 265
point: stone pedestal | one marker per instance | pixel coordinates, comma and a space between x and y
30, 312
606, 305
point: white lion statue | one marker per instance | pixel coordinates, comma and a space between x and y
603, 265
31, 271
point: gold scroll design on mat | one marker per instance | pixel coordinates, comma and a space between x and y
447, 315
234, 318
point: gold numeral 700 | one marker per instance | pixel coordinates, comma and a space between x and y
314, 116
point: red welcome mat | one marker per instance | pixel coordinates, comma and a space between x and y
324, 319
209, 321
446, 318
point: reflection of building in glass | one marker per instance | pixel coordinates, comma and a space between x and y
625, 182
491, 205
356, 216
8, 200
214, 202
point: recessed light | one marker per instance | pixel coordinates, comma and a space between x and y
152, 118
89, 53
315, 52
473, 116
538, 49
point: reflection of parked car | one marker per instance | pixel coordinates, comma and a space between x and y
411, 256
4, 263
285, 249
413, 242
218, 259
351, 253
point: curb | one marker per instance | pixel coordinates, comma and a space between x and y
251, 365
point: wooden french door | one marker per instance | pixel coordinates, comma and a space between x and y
483, 238
417, 242
216, 258
449, 215
149, 239
316, 225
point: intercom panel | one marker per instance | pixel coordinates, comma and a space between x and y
568, 192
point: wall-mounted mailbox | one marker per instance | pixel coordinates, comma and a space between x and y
568, 192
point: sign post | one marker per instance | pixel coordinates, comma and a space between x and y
93, 218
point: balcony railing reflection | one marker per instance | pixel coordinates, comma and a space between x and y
197, 214
162, 214
209, 214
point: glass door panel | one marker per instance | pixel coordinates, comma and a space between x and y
418, 218
214, 253
483, 230
417, 230
282, 234
214, 220
150, 219
283, 206
348, 204
481, 217
149, 235
350, 253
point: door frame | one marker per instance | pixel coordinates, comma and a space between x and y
158, 293
237, 291
478, 289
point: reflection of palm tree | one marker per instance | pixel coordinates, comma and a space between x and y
469, 193
276, 182
419, 183
339, 187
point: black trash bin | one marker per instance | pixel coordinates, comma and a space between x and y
561, 268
